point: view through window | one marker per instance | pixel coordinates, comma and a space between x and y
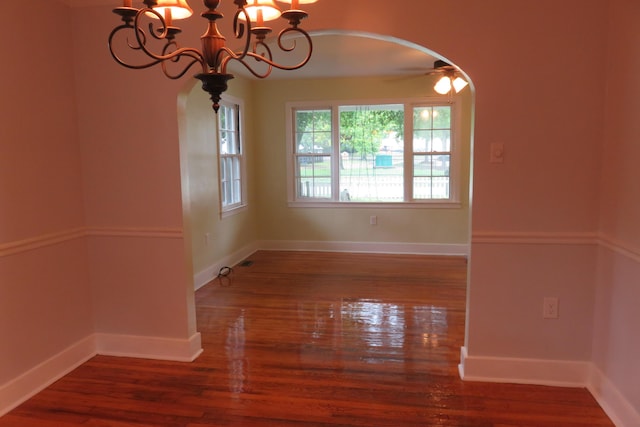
373, 153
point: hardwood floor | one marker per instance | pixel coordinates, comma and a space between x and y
313, 339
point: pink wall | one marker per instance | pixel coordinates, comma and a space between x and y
537, 92
45, 303
616, 346
127, 126
538, 71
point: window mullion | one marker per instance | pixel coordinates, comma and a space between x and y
335, 153
408, 153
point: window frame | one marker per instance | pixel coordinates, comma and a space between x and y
229, 101
409, 104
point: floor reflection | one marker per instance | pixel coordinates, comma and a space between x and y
372, 331
235, 350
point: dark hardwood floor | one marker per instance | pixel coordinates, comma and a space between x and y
313, 339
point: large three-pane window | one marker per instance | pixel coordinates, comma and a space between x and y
383, 153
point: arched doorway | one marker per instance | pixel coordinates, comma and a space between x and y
394, 66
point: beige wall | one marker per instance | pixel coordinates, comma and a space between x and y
351, 224
200, 165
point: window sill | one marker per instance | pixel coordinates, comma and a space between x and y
233, 211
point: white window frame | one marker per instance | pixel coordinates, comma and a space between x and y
228, 101
409, 104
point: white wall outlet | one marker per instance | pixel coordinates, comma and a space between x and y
373, 220
550, 308
207, 236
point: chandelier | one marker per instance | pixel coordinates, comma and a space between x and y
156, 43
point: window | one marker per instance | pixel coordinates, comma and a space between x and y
231, 155
382, 153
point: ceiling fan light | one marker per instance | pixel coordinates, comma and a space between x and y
260, 11
179, 9
443, 86
459, 83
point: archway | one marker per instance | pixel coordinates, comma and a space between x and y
212, 244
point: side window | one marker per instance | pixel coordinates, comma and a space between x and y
231, 156
431, 152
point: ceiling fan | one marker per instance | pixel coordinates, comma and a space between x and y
450, 79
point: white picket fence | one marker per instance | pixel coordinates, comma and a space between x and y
378, 188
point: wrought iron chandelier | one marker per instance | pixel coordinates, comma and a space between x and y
175, 61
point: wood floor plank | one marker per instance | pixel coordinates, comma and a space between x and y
313, 339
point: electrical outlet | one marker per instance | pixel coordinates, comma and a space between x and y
497, 152
373, 220
550, 308
206, 238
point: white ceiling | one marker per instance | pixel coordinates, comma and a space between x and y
346, 55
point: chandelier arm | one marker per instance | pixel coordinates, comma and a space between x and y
164, 34
294, 44
131, 46
239, 31
176, 58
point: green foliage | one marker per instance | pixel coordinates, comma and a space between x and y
363, 128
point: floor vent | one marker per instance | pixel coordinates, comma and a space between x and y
246, 263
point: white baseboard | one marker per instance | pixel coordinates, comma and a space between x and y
203, 277
451, 249
617, 407
179, 350
560, 373
46, 373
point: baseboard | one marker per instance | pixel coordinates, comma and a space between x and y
46, 373
615, 405
449, 249
560, 373
179, 350
205, 276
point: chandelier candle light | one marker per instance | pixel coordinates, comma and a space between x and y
248, 26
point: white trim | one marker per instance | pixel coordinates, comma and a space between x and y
611, 400
36, 379
534, 237
159, 348
148, 233
619, 247
208, 274
42, 241
50, 239
452, 249
559, 373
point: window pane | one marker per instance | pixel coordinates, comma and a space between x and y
313, 131
430, 188
422, 117
371, 153
442, 117
313, 176
314, 187
422, 141
441, 140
